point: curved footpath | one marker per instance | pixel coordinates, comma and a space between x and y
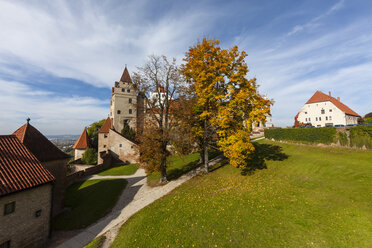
136, 195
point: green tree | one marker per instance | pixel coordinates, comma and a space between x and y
89, 156
93, 133
128, 132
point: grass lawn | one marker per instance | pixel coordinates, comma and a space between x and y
120, 170
177, 166
96, 243
307, 197
89, 201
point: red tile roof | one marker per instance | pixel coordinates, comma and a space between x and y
321, 97
38, 144
126, 77
161, 89
19, 168
106, 126
83, 141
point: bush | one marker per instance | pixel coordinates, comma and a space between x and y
325, 135
342, 138
89, 156
361, 136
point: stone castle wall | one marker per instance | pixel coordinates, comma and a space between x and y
22, 227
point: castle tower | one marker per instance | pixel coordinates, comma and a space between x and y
123, 103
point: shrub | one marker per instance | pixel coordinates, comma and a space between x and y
361, 136
89, 156
325, 135
342, 138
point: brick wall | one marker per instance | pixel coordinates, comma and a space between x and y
22, 227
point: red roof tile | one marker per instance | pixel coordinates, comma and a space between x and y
126, 77
19, 168
83, 141
321, 97
38, 144
161, 89
106, 126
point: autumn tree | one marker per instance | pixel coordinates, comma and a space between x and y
227, 101
162, 78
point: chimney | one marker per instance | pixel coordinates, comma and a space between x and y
329, 93
338, 98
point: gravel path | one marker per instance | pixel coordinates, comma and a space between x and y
134, 197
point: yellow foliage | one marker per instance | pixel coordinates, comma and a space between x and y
228, 100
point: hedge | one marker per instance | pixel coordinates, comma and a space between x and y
325, 135
361, 136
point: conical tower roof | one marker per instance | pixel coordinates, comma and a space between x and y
83, 141
126, 77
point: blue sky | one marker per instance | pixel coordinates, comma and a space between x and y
59, 59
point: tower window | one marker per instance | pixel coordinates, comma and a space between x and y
9, 208
330, 110
120, 145
130, 100
122, 90
130, 111
128, 90
119, 112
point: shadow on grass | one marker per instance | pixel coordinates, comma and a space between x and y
256, 160
174, 173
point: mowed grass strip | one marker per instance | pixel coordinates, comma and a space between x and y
120, 170
177, 166
89, 201
315, 197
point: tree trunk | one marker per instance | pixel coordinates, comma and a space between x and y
163, 171
206, 146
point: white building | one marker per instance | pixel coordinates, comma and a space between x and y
157, 96
323, 110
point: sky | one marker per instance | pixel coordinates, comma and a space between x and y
59, 59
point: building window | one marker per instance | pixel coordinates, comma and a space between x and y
38, 213
309, 119
9, 208
130, 100
330, 118
6, 244
305, 113
326, 118
322, 111
104, 146
320, 118
130, 111
330, 110
105, 135
316, 118
305, 119
120, 145
122, 90
118, 112
128, 90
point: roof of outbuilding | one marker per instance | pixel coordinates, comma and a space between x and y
19, 168
83, 141
106, 126
321, 97
126, 77
43, 149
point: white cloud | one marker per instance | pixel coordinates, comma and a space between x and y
90, 41
315, 21
50, 114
